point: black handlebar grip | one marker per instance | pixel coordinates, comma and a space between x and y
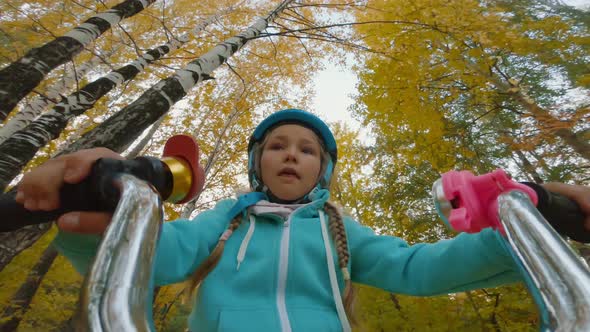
15, 216
564, 215
95, 193
73, 197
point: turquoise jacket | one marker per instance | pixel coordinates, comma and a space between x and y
283, 282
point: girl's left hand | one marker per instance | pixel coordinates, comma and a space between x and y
577, 193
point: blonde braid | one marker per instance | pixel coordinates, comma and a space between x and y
336, 225
211, 262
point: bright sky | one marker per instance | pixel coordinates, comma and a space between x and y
577, 3
335, 87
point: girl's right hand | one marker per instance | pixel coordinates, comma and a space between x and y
578, 193
39, 189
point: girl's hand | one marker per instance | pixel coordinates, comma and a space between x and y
39, 189
579, 194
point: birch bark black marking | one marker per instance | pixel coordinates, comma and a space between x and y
20, 148
122, 128
12, 243
20, 302
40, 103
148, 137
23, 75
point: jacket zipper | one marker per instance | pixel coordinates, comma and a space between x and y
282, 282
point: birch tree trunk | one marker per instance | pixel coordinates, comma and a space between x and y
189, 207
21, 147
23, 75
12, 243
124, 127
139, 147
40, 103
10, 246
20, 301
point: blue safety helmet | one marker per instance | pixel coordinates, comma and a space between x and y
292, 116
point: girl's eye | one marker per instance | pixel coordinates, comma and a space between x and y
308, 150
275, 146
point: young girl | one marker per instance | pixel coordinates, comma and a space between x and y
282, 258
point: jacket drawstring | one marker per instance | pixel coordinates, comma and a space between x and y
332, 273
246, 241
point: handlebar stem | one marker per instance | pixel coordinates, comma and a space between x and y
117, 288
554, 274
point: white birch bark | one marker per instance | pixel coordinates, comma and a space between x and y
136, 150
124, 127
40, 103
17, 150
23, 75
11, 246
211, 159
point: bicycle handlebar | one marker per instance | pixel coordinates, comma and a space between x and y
177, 178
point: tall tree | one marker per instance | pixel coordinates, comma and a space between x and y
40, 103
22, 76
267, 75
457, 80
21, 147
58, 290
19, 303
211, 158
127, 124
15, 242
445, 93
270, 72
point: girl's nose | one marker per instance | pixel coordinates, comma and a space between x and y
291, 154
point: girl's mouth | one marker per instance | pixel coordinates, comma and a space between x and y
289, 172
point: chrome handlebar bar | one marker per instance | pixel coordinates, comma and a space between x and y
116, 292
557, 278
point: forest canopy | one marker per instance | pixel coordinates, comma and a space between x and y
442, 85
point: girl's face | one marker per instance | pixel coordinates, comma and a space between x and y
291, 161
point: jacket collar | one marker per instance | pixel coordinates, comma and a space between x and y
318, 198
